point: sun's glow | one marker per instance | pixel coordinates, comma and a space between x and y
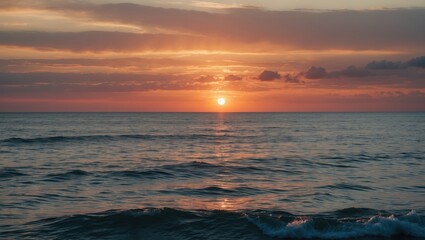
221, 101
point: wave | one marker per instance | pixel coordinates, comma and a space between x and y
203, 168
7, 172
179, 170
153, 174
217, 191
347, 186
116, 175
169, 223
67, 175
186, 170
55, 139
411, 225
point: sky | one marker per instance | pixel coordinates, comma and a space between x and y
182, 55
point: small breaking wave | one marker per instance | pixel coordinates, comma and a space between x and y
169, 223
309, 227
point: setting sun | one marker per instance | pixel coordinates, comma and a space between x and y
221, 101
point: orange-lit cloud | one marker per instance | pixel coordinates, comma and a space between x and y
290, 29
342, 29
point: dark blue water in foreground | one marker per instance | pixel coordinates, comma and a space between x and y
212, 176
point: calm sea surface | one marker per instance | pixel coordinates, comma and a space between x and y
212, 175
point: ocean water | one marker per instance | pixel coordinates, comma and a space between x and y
212, 175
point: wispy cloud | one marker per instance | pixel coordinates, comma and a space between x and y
401, 29
215, 5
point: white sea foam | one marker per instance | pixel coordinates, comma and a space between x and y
410, 224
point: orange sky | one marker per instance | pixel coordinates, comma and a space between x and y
260, 55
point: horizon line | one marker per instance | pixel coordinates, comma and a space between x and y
422, 111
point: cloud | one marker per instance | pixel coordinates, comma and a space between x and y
375, 73
385, 65
268, 75
350, 71
98, 41
378, 68
297, 29
404, 79
311, 30
206, 4
315, 73
292, 78
48, 82
232, 77
417, 62
206, 78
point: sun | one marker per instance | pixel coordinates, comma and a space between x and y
221, 101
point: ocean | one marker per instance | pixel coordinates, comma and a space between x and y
212, 175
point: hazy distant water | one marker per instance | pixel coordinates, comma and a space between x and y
212, 176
